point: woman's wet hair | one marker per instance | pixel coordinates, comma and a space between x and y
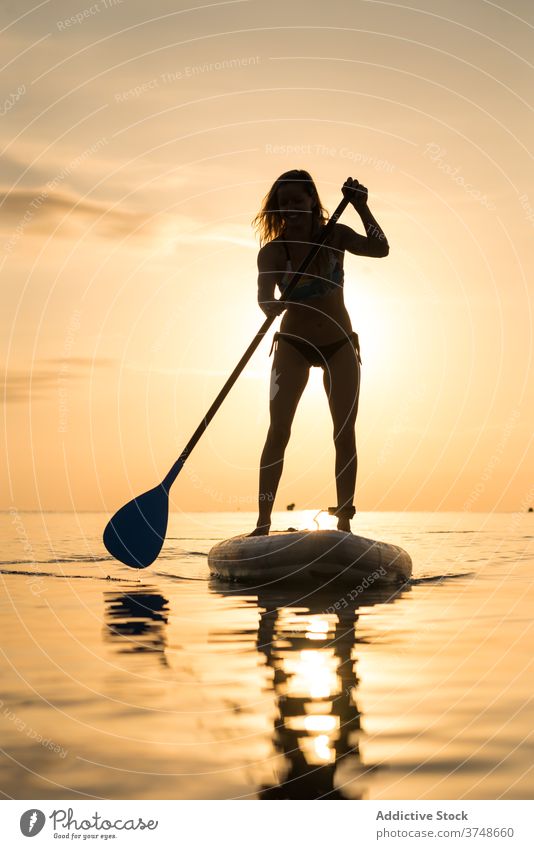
269, 222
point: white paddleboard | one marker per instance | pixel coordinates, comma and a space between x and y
303, 556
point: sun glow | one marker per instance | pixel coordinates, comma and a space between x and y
317, 521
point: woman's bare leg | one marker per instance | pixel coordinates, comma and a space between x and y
342, 384
289, 376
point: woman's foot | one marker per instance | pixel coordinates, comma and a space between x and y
261, 530
344, 525
344, 515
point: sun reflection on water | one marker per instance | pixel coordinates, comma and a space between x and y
318, 628
311, 674
314, 682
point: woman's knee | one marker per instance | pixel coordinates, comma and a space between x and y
345, 438
278, 434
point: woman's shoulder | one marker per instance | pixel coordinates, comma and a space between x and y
271, 252
272, 248
336, 239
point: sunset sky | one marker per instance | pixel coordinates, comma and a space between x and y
138, 141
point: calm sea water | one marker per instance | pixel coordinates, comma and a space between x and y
167, 684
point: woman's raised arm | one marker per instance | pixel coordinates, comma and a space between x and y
375, 242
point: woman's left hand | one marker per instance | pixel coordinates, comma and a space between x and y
355, 192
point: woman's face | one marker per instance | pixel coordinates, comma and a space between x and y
294, 202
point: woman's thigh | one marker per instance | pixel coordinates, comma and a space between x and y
342, 385
289, 376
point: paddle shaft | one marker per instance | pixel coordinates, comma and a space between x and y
176, 468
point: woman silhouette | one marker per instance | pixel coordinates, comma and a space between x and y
316, 329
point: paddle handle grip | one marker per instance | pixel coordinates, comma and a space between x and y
308, 259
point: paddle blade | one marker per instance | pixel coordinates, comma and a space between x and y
137, 531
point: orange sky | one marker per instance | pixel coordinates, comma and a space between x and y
137, 144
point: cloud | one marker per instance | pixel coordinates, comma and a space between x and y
40, 211
40, 382
239, 238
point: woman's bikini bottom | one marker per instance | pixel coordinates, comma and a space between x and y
317, 355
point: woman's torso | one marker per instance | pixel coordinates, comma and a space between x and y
318, 312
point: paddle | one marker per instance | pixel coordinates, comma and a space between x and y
137, 531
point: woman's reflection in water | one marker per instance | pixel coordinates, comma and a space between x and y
311, 652
309, 643
135, 621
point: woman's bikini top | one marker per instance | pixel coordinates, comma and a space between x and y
309, 286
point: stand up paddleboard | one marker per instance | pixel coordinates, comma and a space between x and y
309, 556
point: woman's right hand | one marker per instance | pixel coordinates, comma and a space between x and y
272, 308
355, 192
